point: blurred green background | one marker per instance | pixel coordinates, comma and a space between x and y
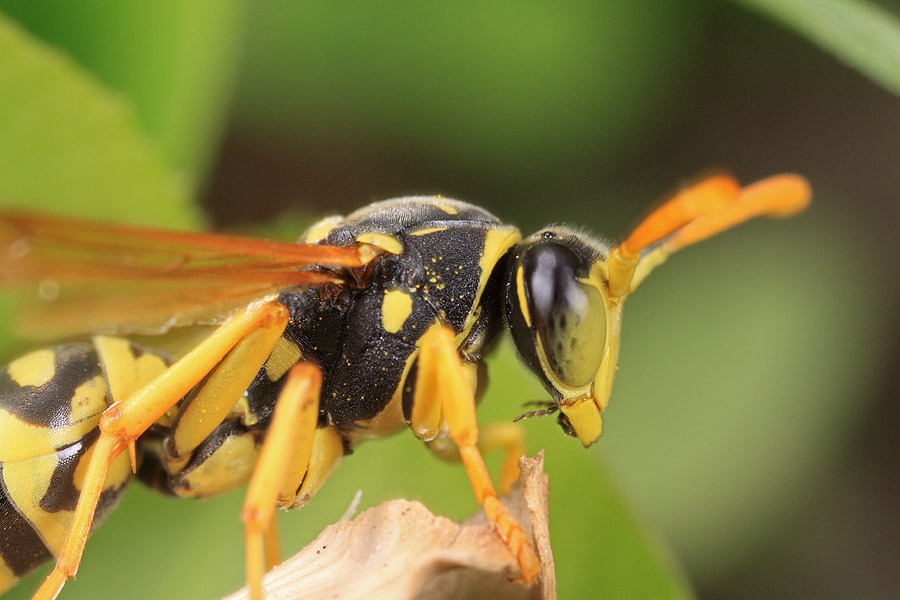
751, 442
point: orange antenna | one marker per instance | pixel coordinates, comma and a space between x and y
699, 212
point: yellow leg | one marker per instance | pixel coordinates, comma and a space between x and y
273, 548
124, 421
209, 406
506, 437
107, 449
442, 378
285, 452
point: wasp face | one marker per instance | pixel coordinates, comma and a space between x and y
563, 323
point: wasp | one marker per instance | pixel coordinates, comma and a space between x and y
370, 323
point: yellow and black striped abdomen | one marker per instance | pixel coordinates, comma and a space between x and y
51, 401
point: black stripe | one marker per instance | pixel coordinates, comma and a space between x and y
49, 405
20, 546
61, 493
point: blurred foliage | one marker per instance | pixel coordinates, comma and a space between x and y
66, 142
433, 74
863, 34
173, 60
745, 363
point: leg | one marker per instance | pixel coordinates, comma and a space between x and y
700, 211
124, 421
285, 457
199, 415
507, 437
442, 379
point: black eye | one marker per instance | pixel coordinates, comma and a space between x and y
569, 316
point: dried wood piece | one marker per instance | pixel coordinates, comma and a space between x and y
400, 550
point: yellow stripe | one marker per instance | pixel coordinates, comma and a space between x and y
23, 441
441, 203
35, 369
428, 230
386, 242
124, 373
520, 292
496, 243
27, 482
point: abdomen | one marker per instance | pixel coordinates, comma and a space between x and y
51, 401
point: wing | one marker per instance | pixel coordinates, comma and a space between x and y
98, 277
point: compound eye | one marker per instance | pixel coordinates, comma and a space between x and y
569, 316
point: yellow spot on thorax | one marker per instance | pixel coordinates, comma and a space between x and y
395, 309
35, 369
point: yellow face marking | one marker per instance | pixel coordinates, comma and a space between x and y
319, 231
584, 415
520, 292
385, 242
285, 355
35, 369
584, 408
395, 309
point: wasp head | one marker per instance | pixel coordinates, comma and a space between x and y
565, 324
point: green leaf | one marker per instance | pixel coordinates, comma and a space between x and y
862, 34
68, 145
175, 61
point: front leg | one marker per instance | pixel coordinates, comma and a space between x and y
443, 388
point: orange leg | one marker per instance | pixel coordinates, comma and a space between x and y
698, 212
124, 421
442, 379
284, 457
506, 437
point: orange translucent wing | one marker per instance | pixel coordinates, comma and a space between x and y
94, 276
